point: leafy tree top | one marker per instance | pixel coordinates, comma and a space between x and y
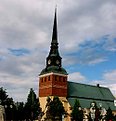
77, 113
3, 95
54, 108
32, 105
31, 97
109, 115
4, 99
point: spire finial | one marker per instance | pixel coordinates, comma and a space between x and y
56, 7
54, 34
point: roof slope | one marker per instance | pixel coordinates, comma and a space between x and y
88, 93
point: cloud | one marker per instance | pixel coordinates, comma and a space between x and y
91, 19
19, 52
110, 76
108, 80
18, 87
26, 28
110, 45
89, 52
21, 73
76, 77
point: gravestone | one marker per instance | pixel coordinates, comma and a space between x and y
2, 113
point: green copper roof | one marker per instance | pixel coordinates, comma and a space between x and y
88, 93
54, 69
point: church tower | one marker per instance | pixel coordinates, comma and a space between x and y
53, 79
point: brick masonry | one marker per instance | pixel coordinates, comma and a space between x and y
53, 85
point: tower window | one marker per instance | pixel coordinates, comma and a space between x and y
48, 78
64, 79
45, 79
60, 78
41, 79
56, 78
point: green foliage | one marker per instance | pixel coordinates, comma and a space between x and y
8, 103
55, 109
3, 96
20, 111
77, 113
32, 106
109, 115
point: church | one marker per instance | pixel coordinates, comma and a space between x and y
53, 81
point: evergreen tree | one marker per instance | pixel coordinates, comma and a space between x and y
55, 109
77, 113
114, 118
32, 106
19, 111
3, 96
8, 104
109, 115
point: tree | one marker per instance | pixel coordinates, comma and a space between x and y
8, 104
32, 106
77, 113
19, 113
109, 115
55, 109
3, 96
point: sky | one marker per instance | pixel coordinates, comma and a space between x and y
86, 36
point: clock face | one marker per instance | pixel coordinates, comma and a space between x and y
57, 62
49, 61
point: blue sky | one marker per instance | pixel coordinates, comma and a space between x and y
86, 36
19, 52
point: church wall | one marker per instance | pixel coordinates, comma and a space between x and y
42, 101
64, 101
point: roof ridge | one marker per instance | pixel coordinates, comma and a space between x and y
88, 84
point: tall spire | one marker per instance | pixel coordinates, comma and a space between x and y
54, 34
54, 61
54, 56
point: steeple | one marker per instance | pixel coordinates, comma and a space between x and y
54, 61
53, 78
54, 34
54, 58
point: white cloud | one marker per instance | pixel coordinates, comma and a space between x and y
108, 80
113, 89
18, 87
26, 24
76, 77
97, 60
110, 76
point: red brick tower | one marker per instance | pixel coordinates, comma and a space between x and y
53, 79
